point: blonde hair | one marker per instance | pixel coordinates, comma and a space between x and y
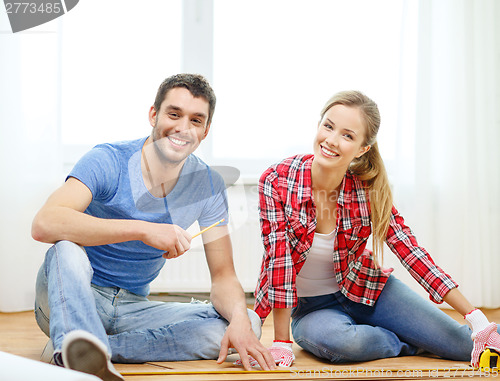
370, 167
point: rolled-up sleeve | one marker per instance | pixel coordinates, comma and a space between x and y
276, 284
416, 260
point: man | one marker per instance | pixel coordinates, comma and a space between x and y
122, 211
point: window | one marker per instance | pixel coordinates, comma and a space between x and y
277, 62
112, 67
273, 66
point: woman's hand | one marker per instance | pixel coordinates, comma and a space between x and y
484, 335
282, 355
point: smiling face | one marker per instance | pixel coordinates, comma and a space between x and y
340, 137
179, 126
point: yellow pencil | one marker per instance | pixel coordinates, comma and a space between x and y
209, 227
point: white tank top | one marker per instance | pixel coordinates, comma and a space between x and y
317, 276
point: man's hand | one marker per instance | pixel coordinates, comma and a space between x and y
228, 299
239, 335
170, 238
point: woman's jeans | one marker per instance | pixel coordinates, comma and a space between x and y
401, 323
134, 329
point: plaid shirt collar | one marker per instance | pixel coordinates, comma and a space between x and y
305, 185
305, 181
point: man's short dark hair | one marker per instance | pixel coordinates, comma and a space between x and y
197, 85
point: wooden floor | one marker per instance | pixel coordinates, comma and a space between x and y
20, 335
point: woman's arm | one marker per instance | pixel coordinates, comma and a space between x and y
276, 280
458, 302
484, 333
281, 317
276, 289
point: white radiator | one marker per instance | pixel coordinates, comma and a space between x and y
189, 272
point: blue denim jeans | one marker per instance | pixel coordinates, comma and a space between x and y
134, 328
401, 323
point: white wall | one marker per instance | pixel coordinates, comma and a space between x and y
29, 154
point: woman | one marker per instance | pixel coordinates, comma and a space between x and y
317, 213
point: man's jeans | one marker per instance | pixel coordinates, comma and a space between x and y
401, 323
134, 329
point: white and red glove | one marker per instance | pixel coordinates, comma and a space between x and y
280, 350
282, 353
484, 335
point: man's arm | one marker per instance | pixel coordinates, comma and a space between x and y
62, 218
228, 299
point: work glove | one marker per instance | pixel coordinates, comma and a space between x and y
280, 350
282, 353
484, 335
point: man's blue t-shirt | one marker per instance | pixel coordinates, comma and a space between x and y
113, 174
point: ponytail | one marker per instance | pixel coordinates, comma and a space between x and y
371, 170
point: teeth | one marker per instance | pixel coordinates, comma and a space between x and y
177, 141
328, 152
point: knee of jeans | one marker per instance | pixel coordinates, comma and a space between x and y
256, 323
71, 255
335, 345
63, 246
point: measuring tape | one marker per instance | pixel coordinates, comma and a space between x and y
399, 372
489, 360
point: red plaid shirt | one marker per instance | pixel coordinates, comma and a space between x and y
288, 223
